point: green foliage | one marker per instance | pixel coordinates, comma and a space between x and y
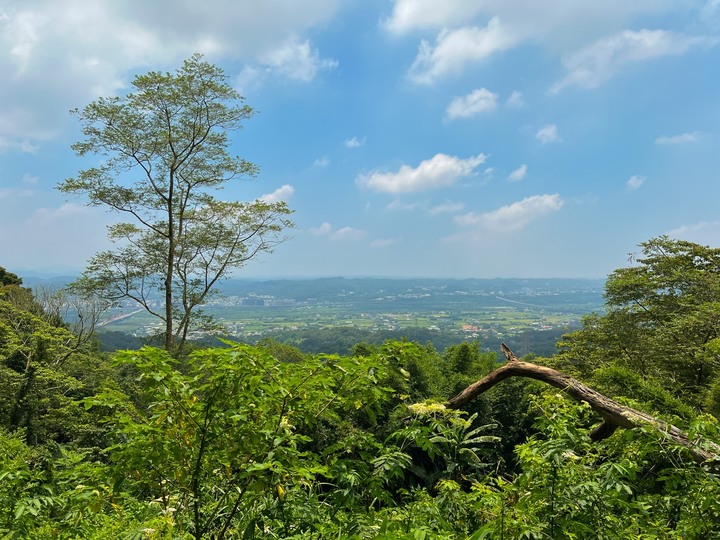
413, 369
8, 278
281, 351
662, 321
43, 374
463, 364
453, 445
164, 150
44, 496
635, 484
216, 439
266, 442
621, 381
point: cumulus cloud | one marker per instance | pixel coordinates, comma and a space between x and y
557, 22
447, 208
296, 60
30, 179
348, 233
321, 162
293, 60
48, 230
63, 212
384, 242
25, 146
397, 204
678, 139
354, 142
518, 174
704, 232
323, 230
476, 102
83, 50
283, 193
440, 171
635, 181
454, 49
514, 216
515, 100
408, 15
344, 233
548, 134
710, 13
560, 25
601, 60
11, 193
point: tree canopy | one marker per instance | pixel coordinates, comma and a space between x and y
8, 278
164, 151
662, 323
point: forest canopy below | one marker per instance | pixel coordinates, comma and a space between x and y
266, 441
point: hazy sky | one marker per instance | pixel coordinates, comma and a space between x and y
453, 138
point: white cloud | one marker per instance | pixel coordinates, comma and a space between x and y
397, 204
635, 181
384, 242
283, 193
514, 216
321, 162
456, 48
344, 233
8, 193
24, 146
322, 230
447, 208
705, 232
439, 171
82, 50
515, 100
251, 76
296, 60
710, 13
48, 230
518, 174
599, 61
293, 60
30, 179
23, 36
548, 134
63, 212
678, 139
555, 23
354, 142
410, 15
476, 102
348, 233
558, 26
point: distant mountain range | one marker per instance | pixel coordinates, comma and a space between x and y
356, 288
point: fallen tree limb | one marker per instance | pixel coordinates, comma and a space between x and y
613, 414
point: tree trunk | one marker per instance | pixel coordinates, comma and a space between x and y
169, 262
614, 415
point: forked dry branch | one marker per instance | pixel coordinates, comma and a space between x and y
614, 415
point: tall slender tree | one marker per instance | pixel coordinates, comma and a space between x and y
163, 151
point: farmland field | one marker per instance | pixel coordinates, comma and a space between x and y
465, 309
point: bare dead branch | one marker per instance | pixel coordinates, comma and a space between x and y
613, 414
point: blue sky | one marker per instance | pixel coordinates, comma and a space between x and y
488, 138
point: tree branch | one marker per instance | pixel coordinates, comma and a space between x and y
613, 414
